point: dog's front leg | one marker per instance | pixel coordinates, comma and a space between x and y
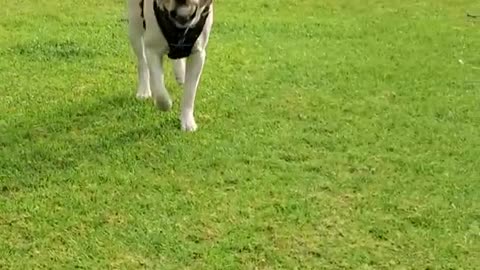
193, 73
157, 85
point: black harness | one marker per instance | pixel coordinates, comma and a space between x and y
180, 40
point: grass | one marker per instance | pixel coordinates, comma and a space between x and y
333, 134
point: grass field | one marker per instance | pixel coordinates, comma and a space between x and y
333, 134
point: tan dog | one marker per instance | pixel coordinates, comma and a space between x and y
179, 29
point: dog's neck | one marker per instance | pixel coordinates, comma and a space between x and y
180, 39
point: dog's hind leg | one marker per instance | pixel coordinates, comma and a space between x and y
143, 90
135, 31
179, 70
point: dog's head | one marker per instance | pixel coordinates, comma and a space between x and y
185, 12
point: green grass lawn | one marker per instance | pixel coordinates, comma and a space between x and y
333, 134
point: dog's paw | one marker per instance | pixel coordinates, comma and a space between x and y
164, 104
143, 93
188, 124
143, 96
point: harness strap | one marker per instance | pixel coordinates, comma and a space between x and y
180, 40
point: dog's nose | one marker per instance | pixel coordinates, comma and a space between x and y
181, 15
182, 19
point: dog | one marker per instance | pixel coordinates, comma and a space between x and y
179, 29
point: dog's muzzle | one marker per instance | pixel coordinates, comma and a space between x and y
181, 20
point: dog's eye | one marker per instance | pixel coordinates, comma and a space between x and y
173, 13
